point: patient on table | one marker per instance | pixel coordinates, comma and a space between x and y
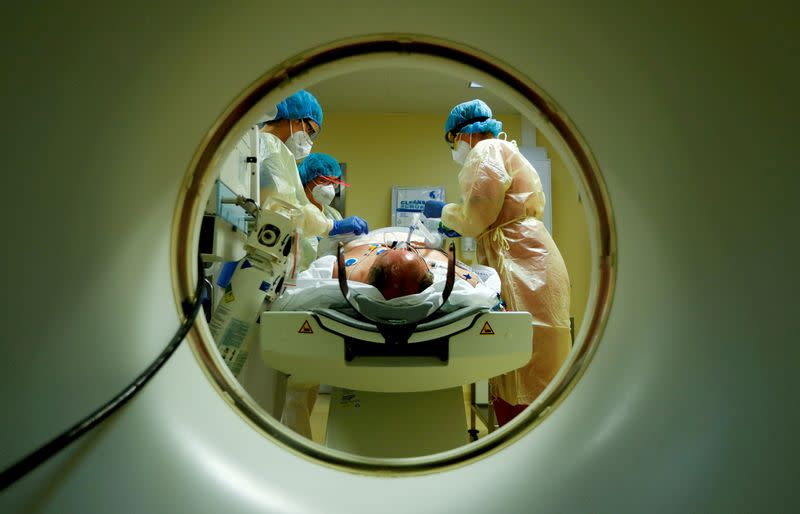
382, 266
399, 271
394, 272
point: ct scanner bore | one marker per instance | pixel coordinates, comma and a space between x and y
364, 54
687, 403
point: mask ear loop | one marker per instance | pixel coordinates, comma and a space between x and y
505, 138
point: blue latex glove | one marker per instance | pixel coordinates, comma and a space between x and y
353, 224
226, 273
433, 209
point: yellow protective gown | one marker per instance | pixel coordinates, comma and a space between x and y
316, 247
328, 245
281, 185
301, 396
502, 205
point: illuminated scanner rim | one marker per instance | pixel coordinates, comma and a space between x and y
197, 185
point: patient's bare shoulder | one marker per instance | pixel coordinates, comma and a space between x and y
358, 260
438, 258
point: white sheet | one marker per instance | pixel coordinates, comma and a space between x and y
315, 288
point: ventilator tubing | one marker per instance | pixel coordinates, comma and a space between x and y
422, 224
258, 278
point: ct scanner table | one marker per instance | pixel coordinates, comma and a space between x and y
395, 399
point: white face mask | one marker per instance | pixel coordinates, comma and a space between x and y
323, 194
299, 143
461, 150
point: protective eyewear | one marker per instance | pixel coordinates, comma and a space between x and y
450, 135
312, 132
332, 180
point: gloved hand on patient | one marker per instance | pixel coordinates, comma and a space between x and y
350, 225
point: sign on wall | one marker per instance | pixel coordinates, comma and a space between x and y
408, 200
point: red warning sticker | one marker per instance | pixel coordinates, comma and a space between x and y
487, 330
306, 328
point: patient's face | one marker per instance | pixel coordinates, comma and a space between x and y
399, 273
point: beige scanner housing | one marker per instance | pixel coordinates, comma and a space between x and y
313, 346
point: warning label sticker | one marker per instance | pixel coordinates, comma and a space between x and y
349, 398
305, 329
487, 330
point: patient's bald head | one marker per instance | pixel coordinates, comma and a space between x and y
399, 272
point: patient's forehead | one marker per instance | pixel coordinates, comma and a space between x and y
401, 264
398, 254
398, 272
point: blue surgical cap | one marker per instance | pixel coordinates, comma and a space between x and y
317, 164
299, 106
472, 117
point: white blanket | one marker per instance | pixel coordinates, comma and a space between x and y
315, 288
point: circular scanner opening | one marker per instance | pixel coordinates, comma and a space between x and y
385, 100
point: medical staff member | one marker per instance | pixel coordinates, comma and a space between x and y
286, 136
321, 176
502, 206
284, 140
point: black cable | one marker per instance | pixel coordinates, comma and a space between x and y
48, 450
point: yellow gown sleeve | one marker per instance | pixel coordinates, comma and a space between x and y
484, 182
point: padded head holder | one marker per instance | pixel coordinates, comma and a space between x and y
395, 323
